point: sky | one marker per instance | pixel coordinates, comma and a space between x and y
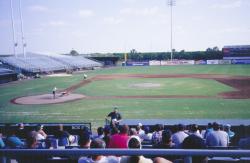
107, 26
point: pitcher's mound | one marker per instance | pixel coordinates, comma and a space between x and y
47, 99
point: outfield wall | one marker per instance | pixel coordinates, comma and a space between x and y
187, 62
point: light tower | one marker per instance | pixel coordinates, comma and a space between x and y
13, 29
171, 3
21, 18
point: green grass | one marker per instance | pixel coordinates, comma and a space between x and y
167, 86
95, 110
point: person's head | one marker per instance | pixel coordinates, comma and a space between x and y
115, 109
159, 127
97, 144
194, 127
209, 125
100, 130
60, 127
180, 127
146, 129
195, 142
134, 143
124, 129
166, 137
39, 127
216, 126
227, 127
20, 126
31, 139
132, 131
84, 140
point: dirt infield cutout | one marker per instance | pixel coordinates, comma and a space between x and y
240, 83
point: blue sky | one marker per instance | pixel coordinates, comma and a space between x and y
88, 26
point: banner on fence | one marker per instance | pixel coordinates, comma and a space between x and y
212, 62
241, 61
225, 62
144, 63
154, 63
201, 62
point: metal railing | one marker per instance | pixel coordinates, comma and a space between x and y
187, 154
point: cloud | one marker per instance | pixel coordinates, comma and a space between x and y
235, 30
140, 12
38, 8
57, 23
86, 13
112, 20
228, 5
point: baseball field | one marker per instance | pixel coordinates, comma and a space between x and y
153, 92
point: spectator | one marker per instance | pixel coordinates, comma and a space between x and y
140, 131
208, 130
106, 137
161, 160
195, 130
147, 136
98, 143
41, 135
195, 142
166, 143
62, 136
134, 143
31, 140
2, 145
84, 140
100, 133
157, 134
12, 140
179, 136
21, 132
227, 129
120, 140
217, 137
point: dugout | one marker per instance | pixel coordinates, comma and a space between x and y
106, 60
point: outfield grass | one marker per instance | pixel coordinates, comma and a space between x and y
95, 110
167, 86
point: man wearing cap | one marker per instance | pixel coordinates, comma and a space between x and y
115, 117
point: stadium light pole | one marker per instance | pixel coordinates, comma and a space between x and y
13, 29
171, 3
21, 18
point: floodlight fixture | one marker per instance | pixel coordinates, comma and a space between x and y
13, 29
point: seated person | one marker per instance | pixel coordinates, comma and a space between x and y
98, 143
134, 143
195, 142
62, 136
12, 140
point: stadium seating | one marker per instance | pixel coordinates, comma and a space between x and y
36, 63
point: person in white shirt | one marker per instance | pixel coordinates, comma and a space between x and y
217, 137
179, 136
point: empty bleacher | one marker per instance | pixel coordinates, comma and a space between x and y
37, 63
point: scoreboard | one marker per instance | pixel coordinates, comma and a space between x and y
236, 52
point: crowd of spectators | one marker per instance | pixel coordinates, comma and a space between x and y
123, 136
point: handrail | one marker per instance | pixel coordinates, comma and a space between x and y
149, 152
